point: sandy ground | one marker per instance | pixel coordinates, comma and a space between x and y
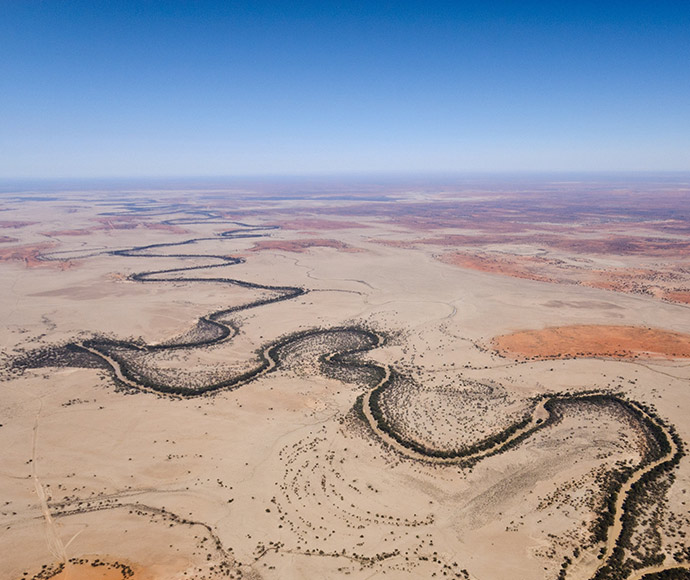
279, 478
590, 340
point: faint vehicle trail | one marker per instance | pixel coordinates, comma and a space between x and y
55, 545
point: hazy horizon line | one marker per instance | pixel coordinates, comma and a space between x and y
329, 175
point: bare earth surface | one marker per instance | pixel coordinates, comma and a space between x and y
589, 340
462, 380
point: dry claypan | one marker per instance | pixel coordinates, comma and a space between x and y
462, 382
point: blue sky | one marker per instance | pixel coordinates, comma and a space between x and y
117, 88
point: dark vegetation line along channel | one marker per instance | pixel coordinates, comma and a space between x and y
615, 525
616, 522
211, 329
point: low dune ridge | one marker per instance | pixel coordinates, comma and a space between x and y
592, 340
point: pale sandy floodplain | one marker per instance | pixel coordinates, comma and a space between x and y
391, 381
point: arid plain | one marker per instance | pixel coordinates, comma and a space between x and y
477, 380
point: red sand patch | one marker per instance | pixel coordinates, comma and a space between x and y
300, 246
623, 246
97, 569
591, 340
679, 296
516, 266
29, 255
668, 281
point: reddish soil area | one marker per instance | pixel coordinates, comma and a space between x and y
29, 255
300, 246
97, 569
517, 266
619, 246
668, 281
678, 296
631, 280
622, 246
590, 340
